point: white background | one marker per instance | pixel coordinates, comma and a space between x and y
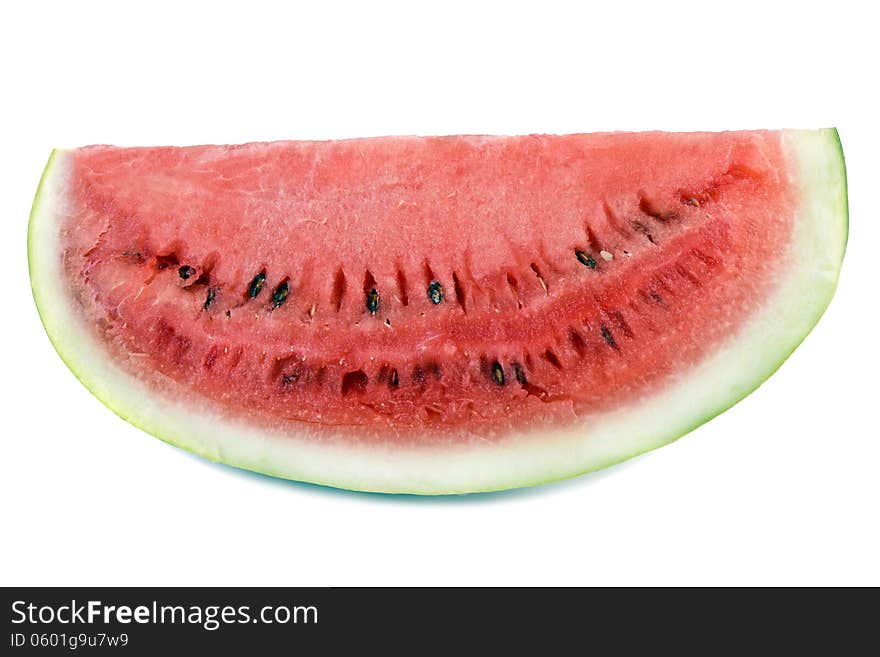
782, 489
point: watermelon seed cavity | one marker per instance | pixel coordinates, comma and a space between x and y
338, 293
209, 299
592, 241
614, 222
541, 280
643, 229
646, 206
514, 288
459, 292
435, 370
186, 271
162, 261
577, 341
402, 287
609, 339
354, 382
622, 323
552, 358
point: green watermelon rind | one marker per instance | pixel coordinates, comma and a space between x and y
713, 386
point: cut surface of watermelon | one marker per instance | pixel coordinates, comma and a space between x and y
441, 314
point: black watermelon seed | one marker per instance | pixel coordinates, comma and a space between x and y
519, 373
393, 379
435, 292
212, 294
497, 374
186, 271
585, 259
257, 284
279, 296
609, 339
373, 301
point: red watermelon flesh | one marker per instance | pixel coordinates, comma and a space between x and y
423, 294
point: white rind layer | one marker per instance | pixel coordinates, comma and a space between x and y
732, 372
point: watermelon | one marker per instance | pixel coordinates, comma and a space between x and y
436, 315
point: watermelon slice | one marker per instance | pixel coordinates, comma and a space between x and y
442, 314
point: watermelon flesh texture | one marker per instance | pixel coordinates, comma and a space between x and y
436, 315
